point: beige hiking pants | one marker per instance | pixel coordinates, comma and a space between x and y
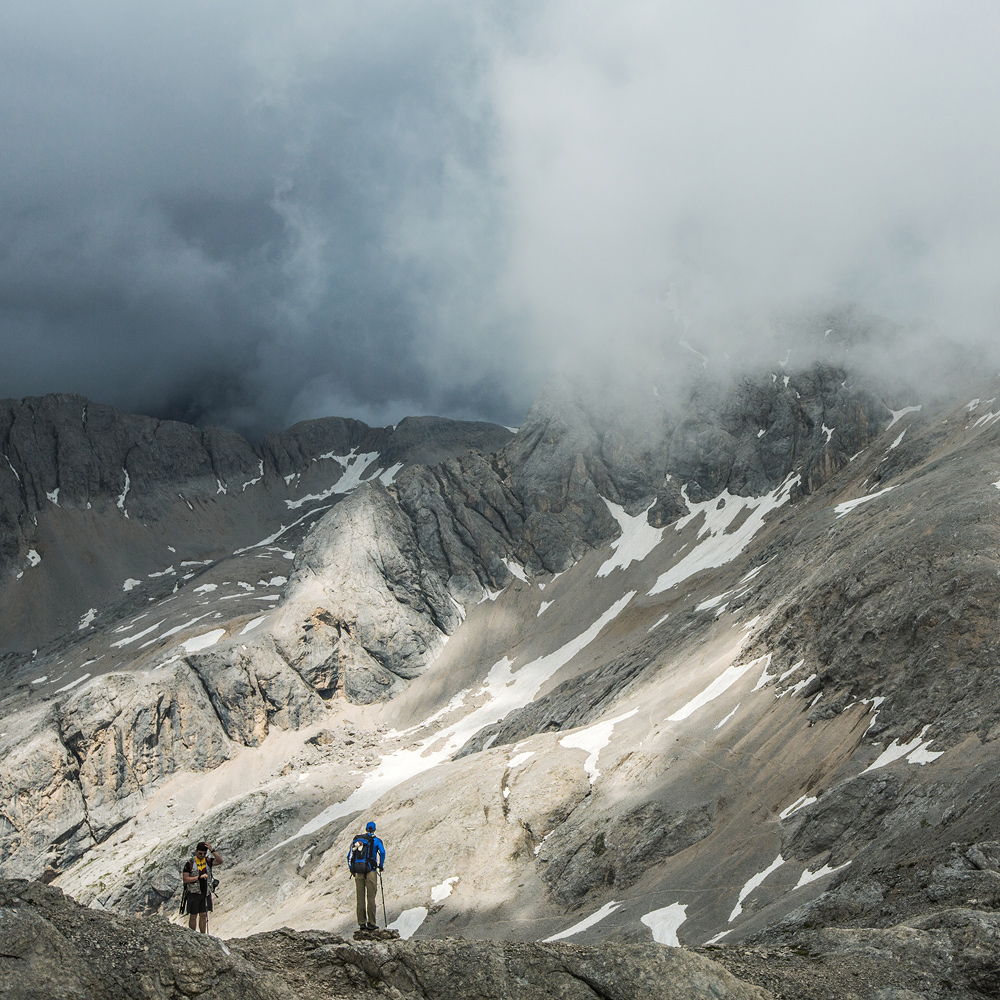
366, 886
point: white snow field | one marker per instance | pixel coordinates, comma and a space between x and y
637, 540
665, 922
752, 884
915, 751
594, 740
842, 509
718, 687
586, 923
718, 541
203, 641
409, 921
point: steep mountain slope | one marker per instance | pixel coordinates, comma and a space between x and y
689, 679
97, 505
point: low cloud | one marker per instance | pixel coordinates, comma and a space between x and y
235, 215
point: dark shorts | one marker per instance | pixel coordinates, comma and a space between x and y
197, 903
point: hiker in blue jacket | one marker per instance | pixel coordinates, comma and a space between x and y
365, 857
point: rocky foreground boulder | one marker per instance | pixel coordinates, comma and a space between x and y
52, 947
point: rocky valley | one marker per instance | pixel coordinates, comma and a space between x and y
637, 694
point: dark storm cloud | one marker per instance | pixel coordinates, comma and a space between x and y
241, 214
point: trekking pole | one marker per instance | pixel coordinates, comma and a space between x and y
385, 919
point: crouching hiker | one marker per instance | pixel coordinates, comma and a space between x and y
365, 859
199, 883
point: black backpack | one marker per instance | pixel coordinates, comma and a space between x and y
362, 857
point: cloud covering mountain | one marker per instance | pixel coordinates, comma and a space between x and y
245, 215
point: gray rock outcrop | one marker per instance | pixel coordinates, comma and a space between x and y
54, 947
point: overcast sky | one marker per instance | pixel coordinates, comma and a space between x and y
249, 213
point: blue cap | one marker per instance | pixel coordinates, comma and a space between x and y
370, 827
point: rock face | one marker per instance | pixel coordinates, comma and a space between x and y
115, 489
54, 947
393, 569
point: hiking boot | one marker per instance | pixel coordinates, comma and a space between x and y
371, 927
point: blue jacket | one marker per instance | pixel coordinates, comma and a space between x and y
379, 849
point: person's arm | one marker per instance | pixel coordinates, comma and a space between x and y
187, 876
381, 855
216, 857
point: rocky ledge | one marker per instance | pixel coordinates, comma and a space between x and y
53, 947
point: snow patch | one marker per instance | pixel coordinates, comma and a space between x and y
205, 588
87, 620
594, 739
664, 923
253, 482
514, 569
719, 686
443, 891
281, 530
203, 641
796, 688
764, 678
728, 717
520, 759
72, 684
408, 921
791, 670
800, 803
637, 539
807, 876
752, 884
251, 625
915, 751
503, 691
713, 602
54, 496
33, 558
350, 479
606, 910
131, 584
899, 414
390, 474
845, 508
717, 544
660, 622
132, 638
124, 493
543, 606
175, 630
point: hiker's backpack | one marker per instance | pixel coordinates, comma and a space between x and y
362, 857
